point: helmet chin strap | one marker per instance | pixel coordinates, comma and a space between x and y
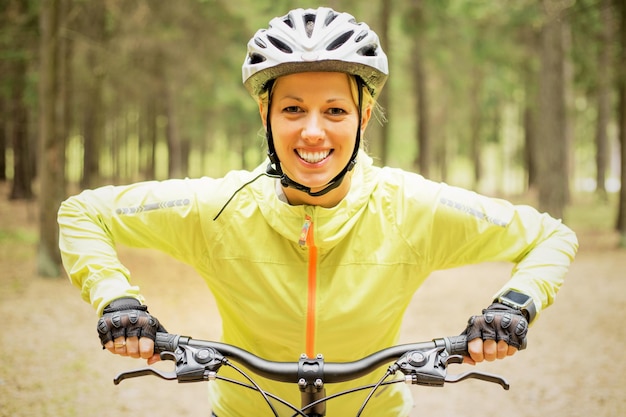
274, 169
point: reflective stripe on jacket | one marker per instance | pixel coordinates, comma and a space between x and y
306, 279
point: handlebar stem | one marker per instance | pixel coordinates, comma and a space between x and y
311, 382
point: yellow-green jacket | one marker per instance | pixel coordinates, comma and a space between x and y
301, 279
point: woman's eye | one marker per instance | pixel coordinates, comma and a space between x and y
336, 111
291, 109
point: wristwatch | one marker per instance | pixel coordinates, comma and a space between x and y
519, 301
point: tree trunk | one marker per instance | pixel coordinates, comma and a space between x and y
115, 141
174, 146
552, 159
17, 69
64, 99
22, 174
148, 143
530, 144
93, 132
475, 127
621, 82
185, 151
569, 168
51, 147
496, 129
384, 99
603, 95
530, 79
3, 140
93, 122
416, 23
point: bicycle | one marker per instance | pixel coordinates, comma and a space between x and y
423, 363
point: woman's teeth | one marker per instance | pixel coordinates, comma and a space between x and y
313, 157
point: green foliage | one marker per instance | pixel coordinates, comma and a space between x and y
187, 55
18, 236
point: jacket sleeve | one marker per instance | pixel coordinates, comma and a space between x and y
469, 228
159, 215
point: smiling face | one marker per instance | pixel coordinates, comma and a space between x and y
314, 121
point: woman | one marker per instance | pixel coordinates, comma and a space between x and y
317, 250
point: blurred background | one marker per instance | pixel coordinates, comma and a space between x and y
522, 99
504, 97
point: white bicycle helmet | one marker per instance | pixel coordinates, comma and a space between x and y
314, 40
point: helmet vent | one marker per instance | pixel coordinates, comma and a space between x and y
329, 19
280, 44
369, 50
255, 59
361, 36
260, 43
289, 20
339, 41
309, 24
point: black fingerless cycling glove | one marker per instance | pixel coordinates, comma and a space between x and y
127, 317
499, 322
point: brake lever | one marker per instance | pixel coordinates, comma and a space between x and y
429, 368
483, 376
478, 375
165, 356
192, 365
143, 372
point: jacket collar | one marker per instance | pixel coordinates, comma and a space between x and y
331, 224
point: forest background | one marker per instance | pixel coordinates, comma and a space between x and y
522, 97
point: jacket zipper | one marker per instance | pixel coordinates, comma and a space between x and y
307, 239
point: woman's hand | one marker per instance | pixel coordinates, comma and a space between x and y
127, 329
488, 350
134, 347
499, 332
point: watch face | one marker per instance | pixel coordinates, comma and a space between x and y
516, 297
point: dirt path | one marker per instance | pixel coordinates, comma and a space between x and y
51, 363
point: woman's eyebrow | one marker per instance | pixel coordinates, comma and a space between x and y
300, 99
331, 100
291, 97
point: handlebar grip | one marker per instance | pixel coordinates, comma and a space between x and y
457, 345
166, 342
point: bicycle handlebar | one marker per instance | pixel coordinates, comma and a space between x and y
423, 363
333, 371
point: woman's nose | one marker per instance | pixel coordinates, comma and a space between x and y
313, 130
